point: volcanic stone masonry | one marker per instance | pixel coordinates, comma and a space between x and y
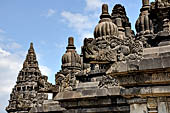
118, 71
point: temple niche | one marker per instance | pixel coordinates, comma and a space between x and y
118, 71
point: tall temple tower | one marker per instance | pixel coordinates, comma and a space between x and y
25, 94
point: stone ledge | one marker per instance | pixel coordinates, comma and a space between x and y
99, 110
69, 95
155, 51
153, 58
155, 77
136, 66
146, 91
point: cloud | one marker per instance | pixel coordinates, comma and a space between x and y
49, 13
61, 46
10, 64
2, 31
45, 70
4, 53
14, 45
83, 23
77, 21
93, 5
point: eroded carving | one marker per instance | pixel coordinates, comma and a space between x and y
108, 81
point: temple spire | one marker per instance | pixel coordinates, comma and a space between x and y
31, 47
25, 93
31, 61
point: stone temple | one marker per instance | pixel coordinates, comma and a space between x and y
117, 71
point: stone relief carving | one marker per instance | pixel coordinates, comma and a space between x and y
66, 80
162, 3
108, 81
111, 49
44, 85
142, 78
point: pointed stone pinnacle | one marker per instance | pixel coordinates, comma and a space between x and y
31, 49
30, 61
70, 43
105, 12
31, 45
104, 9
145, 3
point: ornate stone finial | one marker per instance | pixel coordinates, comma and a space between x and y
120, 12
145, 3
70, 43
105, 13
71, 59
104, 9
105, 27
120, 18
144, 24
